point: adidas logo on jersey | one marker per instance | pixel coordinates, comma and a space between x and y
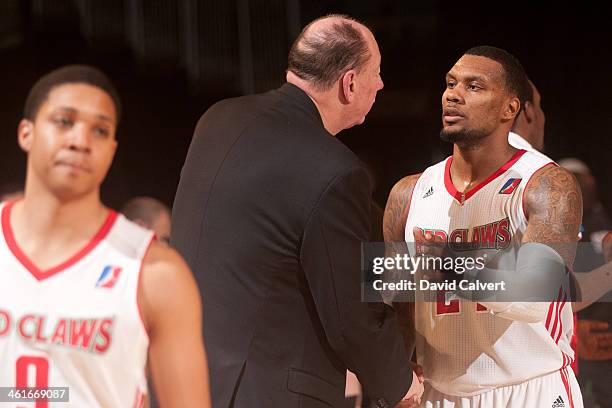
429, 192
559, 403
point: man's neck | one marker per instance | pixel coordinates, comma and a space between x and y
43, 223
473, 164
323, 101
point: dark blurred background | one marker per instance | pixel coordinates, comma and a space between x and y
173, 59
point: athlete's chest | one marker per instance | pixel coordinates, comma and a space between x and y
77, 307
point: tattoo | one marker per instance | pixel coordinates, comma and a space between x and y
553, 203
394, 225
396, 210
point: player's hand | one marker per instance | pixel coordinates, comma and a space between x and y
418, 370
427, 243
430, 246
606, 245
594, 344
413, 396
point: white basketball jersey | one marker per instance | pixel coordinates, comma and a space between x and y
77, 325
464, 349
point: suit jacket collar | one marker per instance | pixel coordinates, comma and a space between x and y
302, 99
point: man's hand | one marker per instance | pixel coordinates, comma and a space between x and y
593, 343
413, 396
428, 244
418, 370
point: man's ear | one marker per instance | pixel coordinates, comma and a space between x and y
348, 85
512, 109
25, 134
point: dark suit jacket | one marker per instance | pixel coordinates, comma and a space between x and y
270, 213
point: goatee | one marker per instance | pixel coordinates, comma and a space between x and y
463, 136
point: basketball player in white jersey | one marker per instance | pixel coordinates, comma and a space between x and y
85, 294
491, 196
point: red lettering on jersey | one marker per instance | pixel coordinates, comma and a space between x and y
5, 322
488, 235
436, 233
22, 322
458, 240
480, 308
105, 334
458, 236
503, 234
476, 237
40, 327
446, 307
441, 234
59, 335
80, 336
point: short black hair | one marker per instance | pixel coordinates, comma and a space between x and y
69, 74
322, 58
516, 78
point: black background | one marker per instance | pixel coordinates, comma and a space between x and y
565, 50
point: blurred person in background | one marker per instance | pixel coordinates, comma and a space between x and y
528, 129
151, 214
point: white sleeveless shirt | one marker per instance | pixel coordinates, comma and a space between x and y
464, 349
77, 325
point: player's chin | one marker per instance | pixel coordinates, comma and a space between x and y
67, 189
450, 133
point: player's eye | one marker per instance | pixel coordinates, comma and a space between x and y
63, 122
450, 84
102, 132
473, 87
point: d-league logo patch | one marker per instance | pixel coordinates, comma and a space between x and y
510, 186
559, 403
108, 277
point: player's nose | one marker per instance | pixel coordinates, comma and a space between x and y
79, 138
451, 95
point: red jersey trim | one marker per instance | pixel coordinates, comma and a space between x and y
567, 386
27, 262
452, 190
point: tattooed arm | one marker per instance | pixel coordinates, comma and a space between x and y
394, 225
553, 206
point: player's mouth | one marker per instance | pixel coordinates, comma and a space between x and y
452, 115
73, 165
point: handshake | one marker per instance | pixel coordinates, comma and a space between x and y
413, 396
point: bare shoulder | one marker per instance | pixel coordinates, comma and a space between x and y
396, 210
553, 192
161, 259
166, 284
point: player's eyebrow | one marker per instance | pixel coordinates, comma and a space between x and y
73, 110
467, 78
